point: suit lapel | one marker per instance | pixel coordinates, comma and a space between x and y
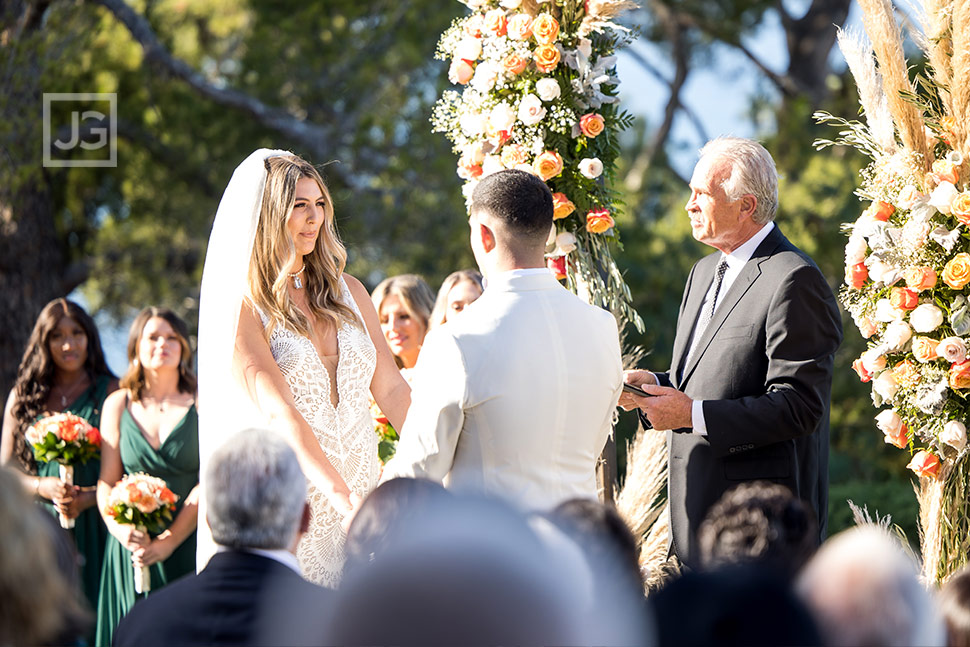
700, 283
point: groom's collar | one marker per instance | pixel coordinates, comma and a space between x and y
531, 278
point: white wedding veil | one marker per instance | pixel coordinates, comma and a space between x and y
224, 407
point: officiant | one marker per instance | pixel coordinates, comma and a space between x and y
748, 392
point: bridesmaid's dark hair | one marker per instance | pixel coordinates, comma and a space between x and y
36, 373
134, 377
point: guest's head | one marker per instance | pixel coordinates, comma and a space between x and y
158, 342
39, 604
64, 341
381, 517
255, 492
863, 589
296, 238
740, 605
758, 522
955, 607
734, 192
457, 291
510, 219
404, 305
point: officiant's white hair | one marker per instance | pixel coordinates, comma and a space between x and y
752, 173
255, 491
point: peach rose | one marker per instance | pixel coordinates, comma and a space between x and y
547, 165
920, 278
867, 327
952, 349
546, 58
906, 374
591, 124
460, 72
945, 171
856, 275
882, 210
954, 434
960, 207
861, 371
925, 464
956, 273
513, 155
545, 28
907, 197
562, 206
514, 64
598, 221
558, 266
469, 49
904, 299
960, 375
495, 22
468, 169
924, 349
520, 26
891, 425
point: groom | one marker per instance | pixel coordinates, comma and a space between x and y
515, 397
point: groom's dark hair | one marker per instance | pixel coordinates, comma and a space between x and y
520, 200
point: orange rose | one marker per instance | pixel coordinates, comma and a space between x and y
926, 464
167, 496
558, 266
903, 298
960, 207
924, 349
545, 28
547, 165
562, 206
68, 432
460, 72
861, 371
956, 273
520, 26
495, 22
960, 375
546, 57
867, 327
899, 438
856, 275
598, 221
906, 374
945, 171
514, 64
882, 210
513, 155
591, 124
920, 278
468, 169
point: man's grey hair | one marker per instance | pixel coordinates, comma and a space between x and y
255, 492
863, 589
752, 173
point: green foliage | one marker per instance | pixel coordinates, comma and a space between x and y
52, 449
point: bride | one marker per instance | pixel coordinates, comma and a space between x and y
301, 341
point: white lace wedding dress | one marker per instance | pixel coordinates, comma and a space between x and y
345, 432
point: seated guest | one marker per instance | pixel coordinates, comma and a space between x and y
864, 590
758, 522
955, 605
251, 592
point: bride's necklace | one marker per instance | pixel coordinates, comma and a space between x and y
69, 395
297, 281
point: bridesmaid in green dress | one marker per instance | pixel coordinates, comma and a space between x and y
150, 425
63, 370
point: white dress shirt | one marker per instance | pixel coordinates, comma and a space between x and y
284, 557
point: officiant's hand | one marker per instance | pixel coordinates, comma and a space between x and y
628, 401
667, 408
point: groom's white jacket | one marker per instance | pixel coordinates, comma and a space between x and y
515, 397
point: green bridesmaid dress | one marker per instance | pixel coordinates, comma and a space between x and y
89, 531
176, 462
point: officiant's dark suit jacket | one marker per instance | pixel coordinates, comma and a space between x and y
239, 598
763, 368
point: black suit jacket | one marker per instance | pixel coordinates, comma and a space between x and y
763, 368
238, 599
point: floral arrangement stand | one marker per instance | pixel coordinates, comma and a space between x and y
908, 256
539, 94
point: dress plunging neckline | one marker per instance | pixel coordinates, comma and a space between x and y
161, 443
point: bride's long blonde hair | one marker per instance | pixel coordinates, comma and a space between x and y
274, 252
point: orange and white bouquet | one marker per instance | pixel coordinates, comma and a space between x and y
385, 431
907, 261
66, 439
147, 503
539, 94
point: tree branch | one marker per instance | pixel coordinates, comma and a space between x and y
649, 67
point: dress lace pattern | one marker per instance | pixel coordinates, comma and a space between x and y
345, 432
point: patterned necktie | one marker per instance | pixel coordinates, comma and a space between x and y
708, 312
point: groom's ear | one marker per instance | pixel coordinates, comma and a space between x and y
487, 237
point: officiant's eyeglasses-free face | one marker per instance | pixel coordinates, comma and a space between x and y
307, 216
714, 218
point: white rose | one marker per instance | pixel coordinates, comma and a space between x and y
915, 234
926, 318
525, 166
907, 197
548, 89
873, 360
885, 312
897, 334
502, 117
885, 385
469, 49
591, 167
492, 164
889, 422
531, 111
881, 272
952, 349
565, 243
954, 434
485, 75
943, 196
855, 250
474, 152
468, 188
472, 124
